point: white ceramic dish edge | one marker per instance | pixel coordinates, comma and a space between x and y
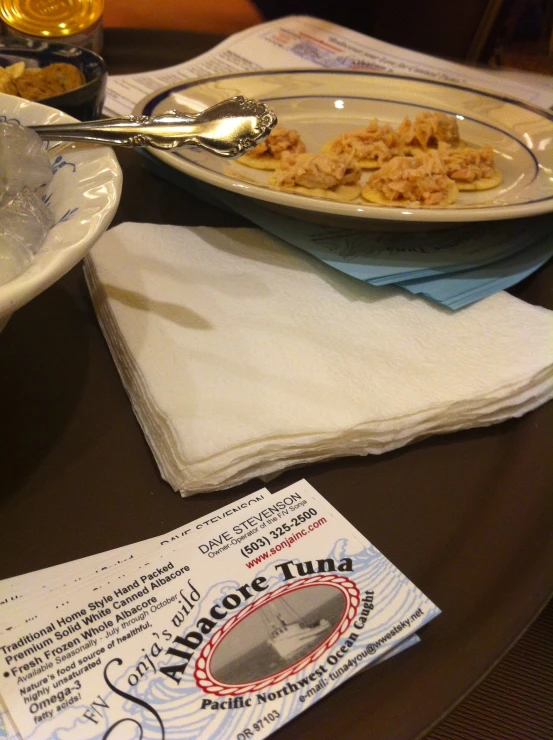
521, 129
84, 195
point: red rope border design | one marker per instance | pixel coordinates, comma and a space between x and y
202, 671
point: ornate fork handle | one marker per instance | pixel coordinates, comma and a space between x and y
227, 129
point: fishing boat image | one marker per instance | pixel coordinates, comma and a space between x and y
289, 633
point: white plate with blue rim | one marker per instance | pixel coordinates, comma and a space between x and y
321, 104
83, 197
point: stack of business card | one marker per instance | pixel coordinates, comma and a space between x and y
453, 267
225, 628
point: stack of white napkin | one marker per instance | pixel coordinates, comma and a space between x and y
242, 355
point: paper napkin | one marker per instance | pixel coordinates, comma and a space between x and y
243, 355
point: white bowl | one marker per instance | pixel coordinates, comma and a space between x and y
83, 196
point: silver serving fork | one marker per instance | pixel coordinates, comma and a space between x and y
227, 129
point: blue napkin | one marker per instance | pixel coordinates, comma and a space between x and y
452, 267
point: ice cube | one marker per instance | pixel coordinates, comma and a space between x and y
27, 219
14, 258
23, 160
24, 223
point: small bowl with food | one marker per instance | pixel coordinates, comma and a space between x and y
55, 201
65, 77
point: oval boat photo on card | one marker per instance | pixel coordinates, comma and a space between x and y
280, 635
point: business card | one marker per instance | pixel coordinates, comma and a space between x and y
227, 634
65, 575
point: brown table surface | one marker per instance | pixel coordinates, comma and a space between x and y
466, 516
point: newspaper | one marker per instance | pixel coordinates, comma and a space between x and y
226, 632
304, 42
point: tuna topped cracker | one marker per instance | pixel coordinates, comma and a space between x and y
319, 176
267, 155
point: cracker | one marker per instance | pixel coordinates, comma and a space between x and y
47, 82
482, 183
264, 162
7, 85
375, 196
342, 193
8, 76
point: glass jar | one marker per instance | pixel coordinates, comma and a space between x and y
76, 22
